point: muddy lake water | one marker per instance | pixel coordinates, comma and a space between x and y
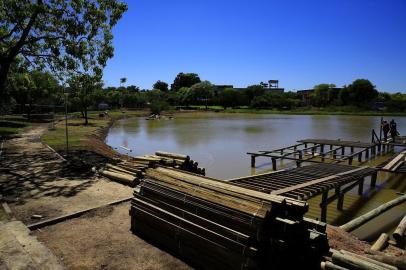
220, 141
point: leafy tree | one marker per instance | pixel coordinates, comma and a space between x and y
230, 98
184, 80
360, 93
163, 86
262, 101
202, 92
185, 96
29, 88
82, 88
123, 81
133, 88
59, 35
254, 91
320, 96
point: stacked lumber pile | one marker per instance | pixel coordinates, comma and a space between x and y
131, 171
213, 224
345, 260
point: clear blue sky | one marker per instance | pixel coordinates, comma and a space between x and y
301, 43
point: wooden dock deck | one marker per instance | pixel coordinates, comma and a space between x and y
321, 151
309, 181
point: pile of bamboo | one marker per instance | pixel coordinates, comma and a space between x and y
345, 260
131, 171
213, 224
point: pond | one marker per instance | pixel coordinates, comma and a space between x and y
220, 141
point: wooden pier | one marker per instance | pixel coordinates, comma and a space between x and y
309, 181
321, 151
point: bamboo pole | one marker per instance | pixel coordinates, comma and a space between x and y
121, 177
352, 262
357, 222
380, 244
395, 261
384, 265
172, 155
331, 266
400, 230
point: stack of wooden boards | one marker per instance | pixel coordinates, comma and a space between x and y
131, 171
345, 260
213, 224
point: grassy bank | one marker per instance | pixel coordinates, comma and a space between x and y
79, 134
302, 111
11, 125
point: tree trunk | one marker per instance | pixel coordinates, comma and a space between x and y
86, 121
4, 69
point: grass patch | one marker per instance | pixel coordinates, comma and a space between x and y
8, 127
78, 133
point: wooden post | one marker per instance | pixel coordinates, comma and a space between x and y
322, 157
274, 164
323, 206
334, 154
352, 149
360, 157
331, 147
361, 186
379, 148
305, 145
340, 198
373, 150
373, 179
300, 154
322, 148
252, 161
298, 163
367, 153
350, 160
343, 151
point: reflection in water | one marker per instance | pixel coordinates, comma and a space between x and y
219, 143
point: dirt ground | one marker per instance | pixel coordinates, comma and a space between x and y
34, 180
102, 239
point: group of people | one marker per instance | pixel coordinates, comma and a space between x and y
389, 127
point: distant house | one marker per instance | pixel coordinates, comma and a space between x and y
103, 106
272, 87
305, 95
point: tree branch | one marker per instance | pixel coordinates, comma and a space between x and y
10, 33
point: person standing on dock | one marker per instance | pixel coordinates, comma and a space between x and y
385, 129
393, 130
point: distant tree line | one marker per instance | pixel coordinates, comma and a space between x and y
88, 93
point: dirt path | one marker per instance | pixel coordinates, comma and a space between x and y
35, 180
102, 239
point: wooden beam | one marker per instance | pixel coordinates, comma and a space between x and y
317, 181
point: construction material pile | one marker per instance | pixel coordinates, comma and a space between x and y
213, 224
345, 260
130, 171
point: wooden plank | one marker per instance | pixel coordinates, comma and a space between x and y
321, 180
394, 161
56, 220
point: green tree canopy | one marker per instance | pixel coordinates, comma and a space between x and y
360, 93
163, 86
184, 80
82, 88
59, 35
254, 91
